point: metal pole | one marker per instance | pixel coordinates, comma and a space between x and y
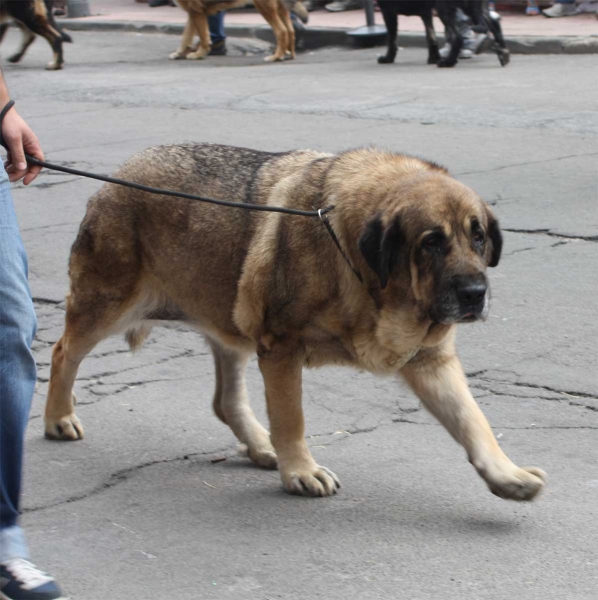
369, 12
370, 33
77, 8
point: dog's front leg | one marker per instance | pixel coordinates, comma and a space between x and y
440, 383
299, 472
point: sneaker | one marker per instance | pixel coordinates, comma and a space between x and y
474, 43
218, 48
22, 580
446, 50
342, 5
560, 10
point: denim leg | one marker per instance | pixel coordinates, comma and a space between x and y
17, 365
216, 25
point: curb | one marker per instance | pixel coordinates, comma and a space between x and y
320, 37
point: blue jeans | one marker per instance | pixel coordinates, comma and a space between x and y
216, 25
17, 371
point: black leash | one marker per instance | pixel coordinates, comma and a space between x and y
320, 213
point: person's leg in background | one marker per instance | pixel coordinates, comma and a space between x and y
561, 8
217, 34
18, 577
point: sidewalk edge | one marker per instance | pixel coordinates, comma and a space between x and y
320, 37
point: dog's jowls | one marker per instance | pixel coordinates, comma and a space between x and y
276, 285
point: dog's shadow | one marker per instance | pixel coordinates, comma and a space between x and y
422, 512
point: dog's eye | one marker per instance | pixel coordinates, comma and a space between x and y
433, 242
478, 237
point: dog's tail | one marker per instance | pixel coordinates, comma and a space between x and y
137, 335
297, 8
50, 8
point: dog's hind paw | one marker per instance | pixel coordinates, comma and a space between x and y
67, 428
275, 58
197, 55
53, 66
263, 457
15, 58
385, 60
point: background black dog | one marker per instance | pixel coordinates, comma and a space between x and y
33, 17
477, 10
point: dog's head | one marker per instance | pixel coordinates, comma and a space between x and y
437, 237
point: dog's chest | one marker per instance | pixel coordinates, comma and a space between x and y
362, 351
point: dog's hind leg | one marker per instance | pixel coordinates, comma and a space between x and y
186, 41
231, 405
53, 37
285, 18
500, 46
28, 38
200, 22
269, 11
433, 53
90, 318
391, 20
447, 12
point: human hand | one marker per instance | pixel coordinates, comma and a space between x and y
19, 138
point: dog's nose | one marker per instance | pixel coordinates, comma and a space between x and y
472, 295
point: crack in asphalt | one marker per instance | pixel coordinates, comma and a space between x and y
548, 232
119, 477
47, 301
93, 378
532, 162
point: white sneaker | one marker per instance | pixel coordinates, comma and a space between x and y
560, 10
446, 50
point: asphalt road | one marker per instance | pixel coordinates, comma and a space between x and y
139, 510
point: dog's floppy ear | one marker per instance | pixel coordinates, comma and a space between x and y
495, 238
381, 247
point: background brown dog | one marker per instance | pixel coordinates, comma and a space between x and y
276, 285
276, 13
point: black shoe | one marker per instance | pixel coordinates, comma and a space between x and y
218, 48
22, 580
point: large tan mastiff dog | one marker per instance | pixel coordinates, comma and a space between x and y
275, 12
277, 285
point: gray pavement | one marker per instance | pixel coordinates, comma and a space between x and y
139, 510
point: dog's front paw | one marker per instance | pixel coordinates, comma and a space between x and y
53, 66
385, 60
67, 428
520, 484
310, 480
15, 58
